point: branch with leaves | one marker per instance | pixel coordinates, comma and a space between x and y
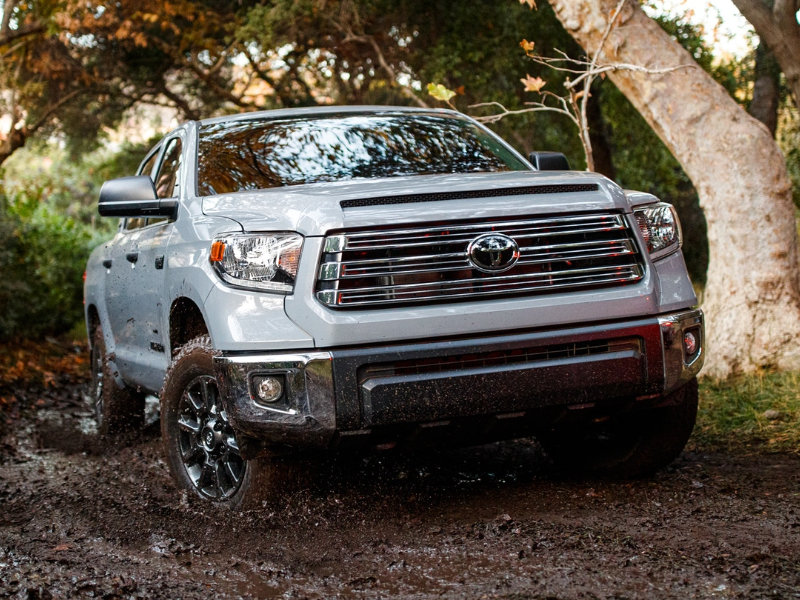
581, 74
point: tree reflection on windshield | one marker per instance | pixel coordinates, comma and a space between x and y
263, 153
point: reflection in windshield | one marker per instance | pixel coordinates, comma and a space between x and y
263, 153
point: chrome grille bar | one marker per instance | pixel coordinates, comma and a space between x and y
405, 265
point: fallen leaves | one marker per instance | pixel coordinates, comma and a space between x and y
41, 362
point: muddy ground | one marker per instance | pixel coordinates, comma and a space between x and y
78, 519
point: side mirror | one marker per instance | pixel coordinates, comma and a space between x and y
134, 197
549, 161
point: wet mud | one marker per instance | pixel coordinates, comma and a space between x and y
82, 517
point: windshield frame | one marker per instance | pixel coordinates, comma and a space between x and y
321, 113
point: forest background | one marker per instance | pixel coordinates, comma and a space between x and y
86, 87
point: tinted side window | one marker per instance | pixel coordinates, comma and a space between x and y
134, 223
167, 177
147, 167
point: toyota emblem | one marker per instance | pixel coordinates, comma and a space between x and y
493, 252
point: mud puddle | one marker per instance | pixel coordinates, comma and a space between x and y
79, 518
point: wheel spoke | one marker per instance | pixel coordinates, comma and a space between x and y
98, 409
188, 425
232, 444
232, 473
206, 477
191, 455
196, 403
208, 399
219, 473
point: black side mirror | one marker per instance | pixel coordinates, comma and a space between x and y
134, 197
549, 161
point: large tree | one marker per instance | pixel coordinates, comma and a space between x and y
752, 295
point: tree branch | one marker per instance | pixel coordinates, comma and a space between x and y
534, 107
11, 35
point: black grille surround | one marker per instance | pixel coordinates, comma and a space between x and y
561, 188
406, 265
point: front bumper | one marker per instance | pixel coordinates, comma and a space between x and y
345, 392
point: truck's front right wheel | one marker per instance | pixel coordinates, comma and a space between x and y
201, 445
627, 445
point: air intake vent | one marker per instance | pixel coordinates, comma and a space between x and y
564, 188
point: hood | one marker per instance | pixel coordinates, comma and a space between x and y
315, 209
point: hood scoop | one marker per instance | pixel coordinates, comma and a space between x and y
562, 188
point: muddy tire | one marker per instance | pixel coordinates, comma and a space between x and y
200, 444
117, 410
627, 446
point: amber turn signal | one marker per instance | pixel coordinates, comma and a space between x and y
217, 251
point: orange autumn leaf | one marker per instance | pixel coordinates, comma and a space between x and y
527, 46
533, 84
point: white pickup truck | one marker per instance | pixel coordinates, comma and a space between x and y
320, 278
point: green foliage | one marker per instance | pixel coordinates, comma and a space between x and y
49, 224
761, 411
42, 262
70, 187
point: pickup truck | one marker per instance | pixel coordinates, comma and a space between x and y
307, 280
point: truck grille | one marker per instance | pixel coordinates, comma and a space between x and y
406, 265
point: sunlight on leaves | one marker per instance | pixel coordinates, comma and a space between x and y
438, 91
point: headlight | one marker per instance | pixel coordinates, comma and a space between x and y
263, 261
660, 228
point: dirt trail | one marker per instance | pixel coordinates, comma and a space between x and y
490, 522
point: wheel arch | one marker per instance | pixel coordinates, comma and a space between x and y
186, 322
92, 320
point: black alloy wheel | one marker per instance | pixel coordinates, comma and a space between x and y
206, 441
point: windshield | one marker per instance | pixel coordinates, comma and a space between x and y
236, 156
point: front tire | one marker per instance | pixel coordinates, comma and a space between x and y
117, 410
201, 446
630, 445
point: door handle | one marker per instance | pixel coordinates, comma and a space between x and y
132, 257
107, 263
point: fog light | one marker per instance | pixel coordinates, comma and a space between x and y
689, 343
268, 388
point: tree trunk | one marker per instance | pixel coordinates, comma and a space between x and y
775, 23
752, 296
601, 149
10, 143
766, 89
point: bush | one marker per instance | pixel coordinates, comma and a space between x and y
42, 263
